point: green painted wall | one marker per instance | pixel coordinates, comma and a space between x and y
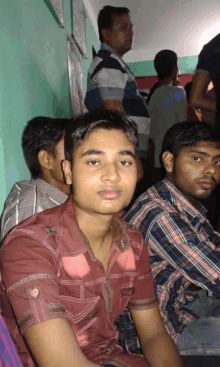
34, 78
146, 68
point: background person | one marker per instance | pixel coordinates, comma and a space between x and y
110, 83
167, 104
207, 70
43, 149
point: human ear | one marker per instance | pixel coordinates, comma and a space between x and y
168, 159
44, 159
66, 165
105, 34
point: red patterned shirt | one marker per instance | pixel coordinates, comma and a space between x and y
49, 270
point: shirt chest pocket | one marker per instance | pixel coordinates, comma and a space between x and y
83, 317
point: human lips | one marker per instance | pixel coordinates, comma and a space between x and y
110, 193
207, 184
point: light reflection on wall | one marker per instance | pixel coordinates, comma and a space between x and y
209, 33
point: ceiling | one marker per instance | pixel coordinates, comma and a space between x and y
181, 25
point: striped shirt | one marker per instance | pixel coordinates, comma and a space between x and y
109, 78
27, 198
184, 251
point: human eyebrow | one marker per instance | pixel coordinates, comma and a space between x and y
199, 152
127, 152
126, 24
93, 152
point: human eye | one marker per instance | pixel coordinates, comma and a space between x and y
93, 162
125, 163
197, 159
217, 162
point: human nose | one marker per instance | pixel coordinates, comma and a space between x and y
110, 173
131, 32
210, 168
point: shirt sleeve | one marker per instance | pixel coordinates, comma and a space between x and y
172, 239
144, 296
111, 80
29, 274
179, 105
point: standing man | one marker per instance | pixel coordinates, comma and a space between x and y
167, 105
77, 266
110, 83
208, 70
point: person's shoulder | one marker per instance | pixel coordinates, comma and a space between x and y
178, 92
19, 188
39, 225
149, 207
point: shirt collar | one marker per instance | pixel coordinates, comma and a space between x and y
52, 191
106, 47
73, 240
174, 197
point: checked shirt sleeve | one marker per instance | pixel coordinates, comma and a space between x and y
191, 253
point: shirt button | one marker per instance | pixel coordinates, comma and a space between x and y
34, 293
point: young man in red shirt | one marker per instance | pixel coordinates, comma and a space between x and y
77, 266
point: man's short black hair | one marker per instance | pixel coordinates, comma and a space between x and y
103, 119
105, 17
164, 62
188, 134
41, 133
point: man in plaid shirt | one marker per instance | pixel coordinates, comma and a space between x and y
184, 248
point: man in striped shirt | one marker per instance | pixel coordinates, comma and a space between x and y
184, 248
43, 148
110, 83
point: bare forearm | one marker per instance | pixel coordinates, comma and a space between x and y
204, 102
198, 97
161, 351
53, 344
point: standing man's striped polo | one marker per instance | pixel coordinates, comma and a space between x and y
109, 78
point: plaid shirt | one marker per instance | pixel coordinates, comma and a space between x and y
184, 250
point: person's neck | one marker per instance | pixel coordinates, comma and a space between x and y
97, 228
118, 51
166, 81
61, 186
